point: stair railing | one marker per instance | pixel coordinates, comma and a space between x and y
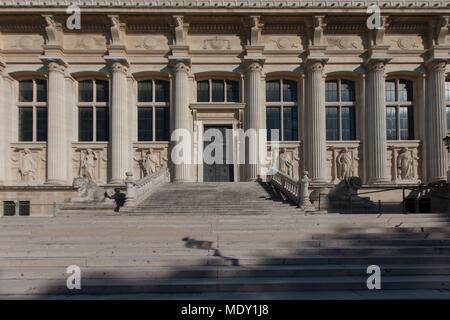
287, 185
138, 191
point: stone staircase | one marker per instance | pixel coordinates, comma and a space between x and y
230, 240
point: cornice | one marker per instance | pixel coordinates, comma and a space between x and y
208, 4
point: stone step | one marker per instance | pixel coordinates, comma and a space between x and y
111, 286
192, 260
222, 271
224, 250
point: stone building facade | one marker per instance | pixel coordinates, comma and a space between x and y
103, 99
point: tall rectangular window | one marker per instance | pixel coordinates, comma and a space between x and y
32, 108
85, 124
218, 94
162, 124
41, 124
340, 98
281, 109
332, 123
203, 91
153, 113
391, 123
93, 110
102, 122
232, 91
273, 121
26, 123
145, 124
399, 109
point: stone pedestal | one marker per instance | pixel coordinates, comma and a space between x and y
376, 123
436, 121
57, 134
314, 121
120, 148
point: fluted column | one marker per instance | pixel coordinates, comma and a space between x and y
3, 126
436, 125
314, 121
120, 152
182, 120
57, 131
254, 116
376, 123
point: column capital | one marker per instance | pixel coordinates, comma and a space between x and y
117, 64
376, 64
315, 64
54, 64
437, 64
254, 65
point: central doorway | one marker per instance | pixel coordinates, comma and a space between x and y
221, 170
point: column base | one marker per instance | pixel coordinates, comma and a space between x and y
437, 179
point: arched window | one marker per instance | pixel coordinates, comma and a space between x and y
153, 110
399, 109
281, 109
340, 101
218, 90
93, 111
32, 105
447, 99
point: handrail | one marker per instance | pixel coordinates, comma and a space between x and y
289, 186
138, 191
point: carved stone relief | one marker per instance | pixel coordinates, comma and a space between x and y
153, 42
23, 42
90, 163
405, 42
149, 159
85, 42
285, 158
29, 165
345, 42
403, 164
342, 162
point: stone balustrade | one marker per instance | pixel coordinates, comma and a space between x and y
289, 186
138, 191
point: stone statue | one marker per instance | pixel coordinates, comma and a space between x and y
404, 164
286, 165
88, 191
87, 164
344, 163
150, 163
27, 168
304, 202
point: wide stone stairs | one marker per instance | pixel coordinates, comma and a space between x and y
230, 240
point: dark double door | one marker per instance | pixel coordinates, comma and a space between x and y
222, 169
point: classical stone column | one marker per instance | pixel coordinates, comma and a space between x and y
120, 152
435, 124
3, 126
182, 120
57, 131
254, 111
376, 123
314, 121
